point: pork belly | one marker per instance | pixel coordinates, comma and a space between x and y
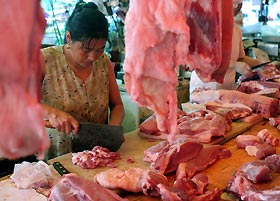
265, 106
268, 138
168, 34
233, 111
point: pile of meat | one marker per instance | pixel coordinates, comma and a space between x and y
244, 181
155, 184
265, 106
97, 157
160, 36
260, 146
184, 157
21, 118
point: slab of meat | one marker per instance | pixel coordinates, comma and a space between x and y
265, 106
240, 186
131, 180
160, 36
267, 88
268, 138
21, 117
260, 151
246, 140
165, 158
74, 188
233, 111
97, 157
200, 126
256, 171
206, 157
273, 162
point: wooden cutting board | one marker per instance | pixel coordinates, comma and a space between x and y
134, 147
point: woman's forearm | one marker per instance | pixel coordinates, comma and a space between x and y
116, 115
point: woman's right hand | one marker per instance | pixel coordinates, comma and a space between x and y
61, 120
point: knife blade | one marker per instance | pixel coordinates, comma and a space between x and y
260, 65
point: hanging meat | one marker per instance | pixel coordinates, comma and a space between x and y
160, 36
21, 117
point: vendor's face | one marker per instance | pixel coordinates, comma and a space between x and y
85, 56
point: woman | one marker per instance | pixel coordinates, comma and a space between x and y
79, 84
239, 62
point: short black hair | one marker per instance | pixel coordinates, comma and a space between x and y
87, 23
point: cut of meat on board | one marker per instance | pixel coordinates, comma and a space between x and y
21, 117
240, 186
72, 187
158, 40
132, 180
265, 106
200, 126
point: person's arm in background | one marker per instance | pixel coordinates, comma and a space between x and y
58, 119
115, 101
244, 62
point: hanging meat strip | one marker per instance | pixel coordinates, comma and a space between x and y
160, 36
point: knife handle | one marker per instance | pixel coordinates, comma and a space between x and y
60, 168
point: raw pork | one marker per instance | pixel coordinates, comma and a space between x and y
160, 36
131, 180
233, 111
165, 158
21, 117
74, 188
33, 175
260, 151
97, 157
240, 186
200, 126
256, 171
268, 138
206, 157
245, 140
273, 162
265, 106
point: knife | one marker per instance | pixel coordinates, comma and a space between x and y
90, 135
60, 168
260, 65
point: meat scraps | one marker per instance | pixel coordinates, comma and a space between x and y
74, 188
160, 36
265, 106
97, 157
21, 117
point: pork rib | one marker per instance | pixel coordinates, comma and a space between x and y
21, 117
158, 39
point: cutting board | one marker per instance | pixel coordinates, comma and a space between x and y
219, 173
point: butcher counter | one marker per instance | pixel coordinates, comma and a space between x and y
219, 173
